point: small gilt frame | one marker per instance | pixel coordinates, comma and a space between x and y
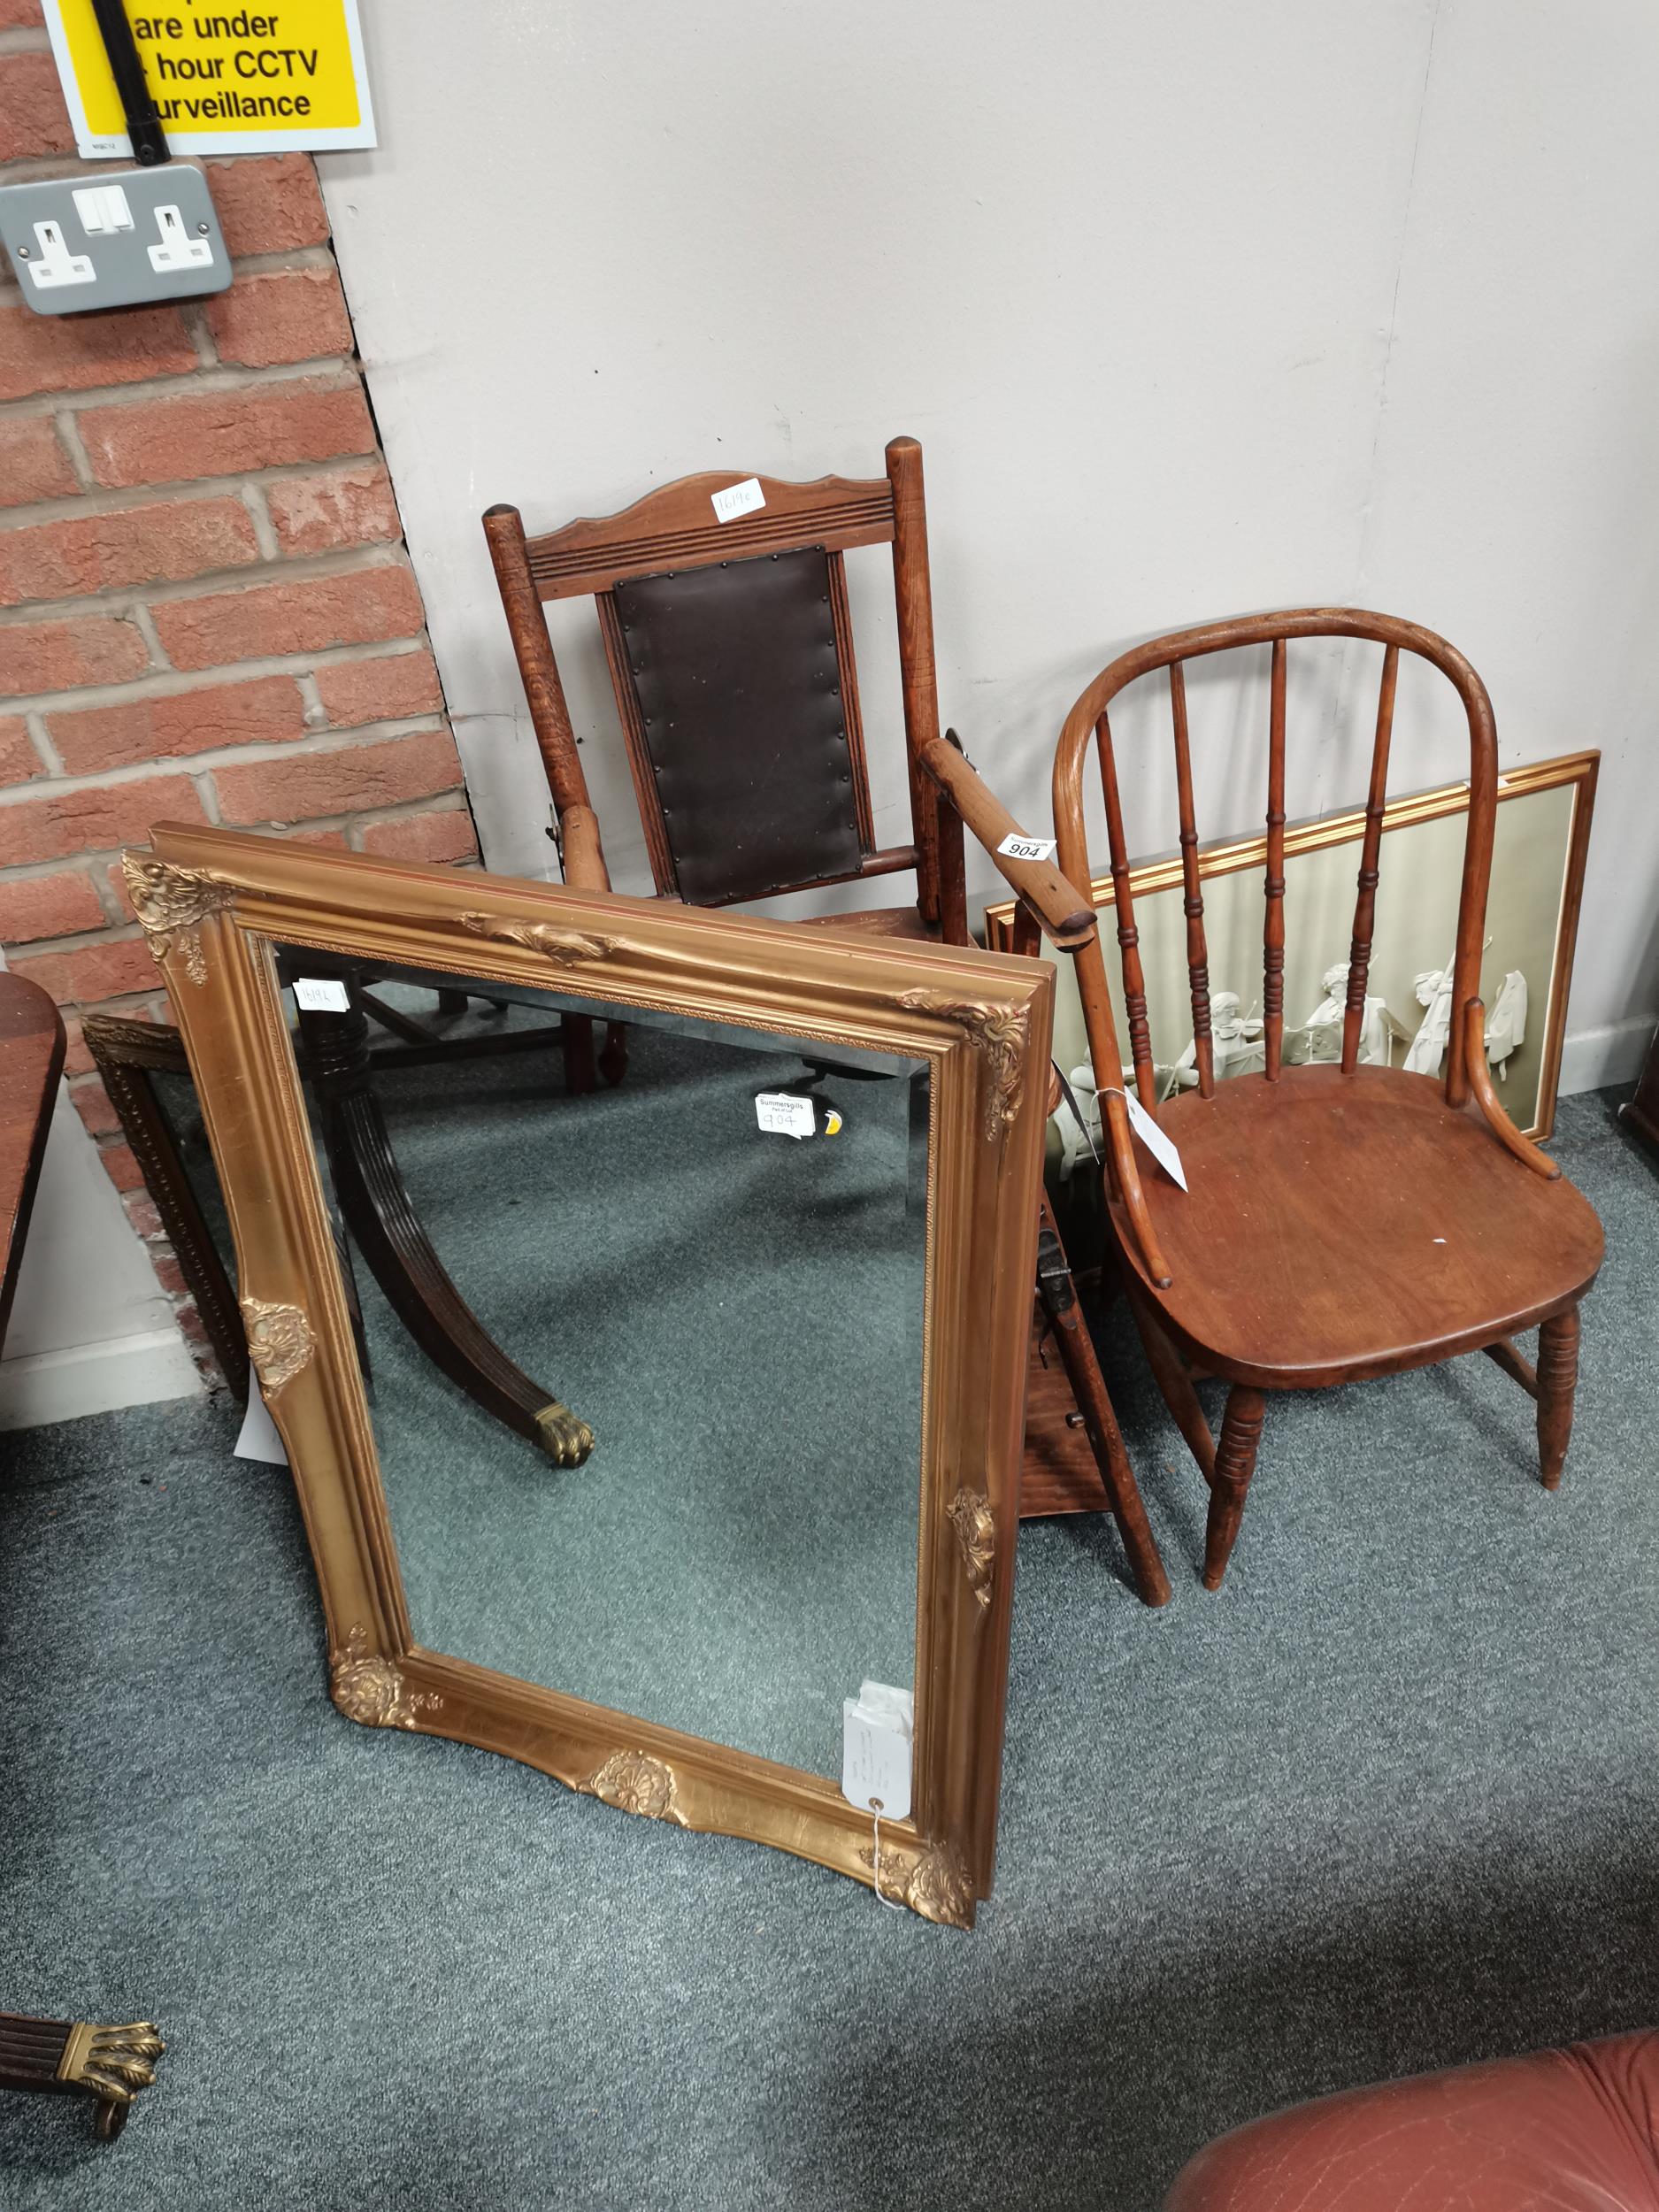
981, 1022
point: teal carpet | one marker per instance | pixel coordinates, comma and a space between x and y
1390, 1801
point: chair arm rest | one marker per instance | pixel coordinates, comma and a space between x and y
1063, 910
581, 851
1486, 1097
1120, 1142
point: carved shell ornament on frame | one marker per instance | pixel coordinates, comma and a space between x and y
369, 1689
635, 1782
998, 1034
935, 1885
280, 1342
975, 1523
171, 905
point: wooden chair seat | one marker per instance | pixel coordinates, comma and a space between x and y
1342, 1227
878, 921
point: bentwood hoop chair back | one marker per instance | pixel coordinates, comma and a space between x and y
1343, 1220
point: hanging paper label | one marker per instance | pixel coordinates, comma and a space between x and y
738, 499
784, 1114
877, 1727
320, 995
1013, 848
1154, 1139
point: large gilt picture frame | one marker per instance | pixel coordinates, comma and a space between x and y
1541, 844
214, 904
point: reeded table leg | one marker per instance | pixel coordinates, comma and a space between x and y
108, 2064
389, 1233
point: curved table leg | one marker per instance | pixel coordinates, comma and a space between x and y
389, 1233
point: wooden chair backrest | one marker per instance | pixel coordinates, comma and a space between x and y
730, 649
1090, 720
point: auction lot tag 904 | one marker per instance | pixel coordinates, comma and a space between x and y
785, 1114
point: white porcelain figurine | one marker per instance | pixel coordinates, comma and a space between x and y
1320, 1036
1236, 1044
1506, 1024
1428, 1047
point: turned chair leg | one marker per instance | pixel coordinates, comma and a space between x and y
1175, 1384
1558, 1379
1235, 1464
1058, 1290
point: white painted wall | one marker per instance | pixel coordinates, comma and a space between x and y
1197, 308
90, 1329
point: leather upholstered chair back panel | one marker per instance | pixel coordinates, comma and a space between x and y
730, 648
735, 698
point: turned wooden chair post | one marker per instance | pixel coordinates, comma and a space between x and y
1335, 1300
913, 595
575, 827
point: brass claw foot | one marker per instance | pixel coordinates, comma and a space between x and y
564, 1438
111, 2064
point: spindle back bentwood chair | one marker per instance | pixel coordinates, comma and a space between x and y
1341, 1221
723, 607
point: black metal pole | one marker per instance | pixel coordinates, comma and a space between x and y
143, 124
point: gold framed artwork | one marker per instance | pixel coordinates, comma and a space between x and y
782, 1347
1541, 839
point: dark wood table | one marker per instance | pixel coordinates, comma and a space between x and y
76, 2057
1641, 1115
31, 1060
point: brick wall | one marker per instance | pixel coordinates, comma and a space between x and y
206, 610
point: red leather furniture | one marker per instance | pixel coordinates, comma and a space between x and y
1568, 2130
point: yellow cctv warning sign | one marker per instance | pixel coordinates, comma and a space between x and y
225, 79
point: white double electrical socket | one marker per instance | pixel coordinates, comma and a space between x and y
146, 234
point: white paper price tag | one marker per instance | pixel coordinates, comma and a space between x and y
1014, 848
1154, 1139
783, 1115
320, 995
738, 499
877, 1726
258, 1437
